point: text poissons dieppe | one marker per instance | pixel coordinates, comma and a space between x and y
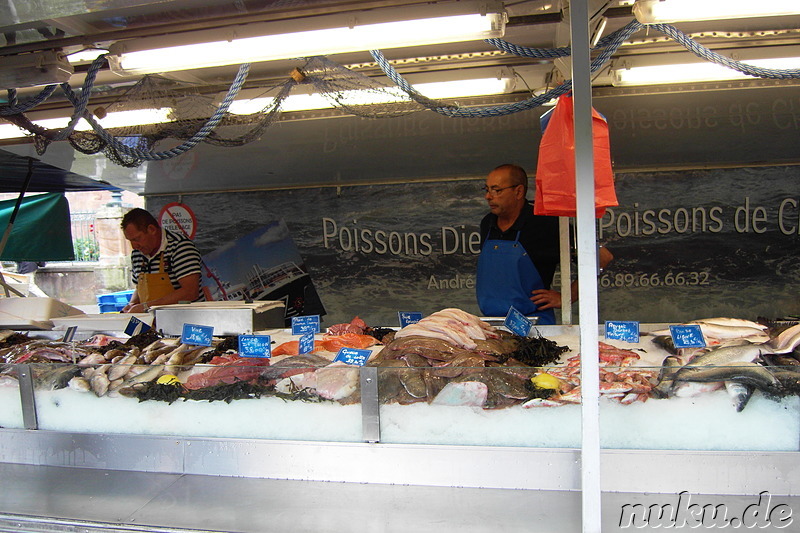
367, 240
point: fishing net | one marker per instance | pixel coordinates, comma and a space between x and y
180, 112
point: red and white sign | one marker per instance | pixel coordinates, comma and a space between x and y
178, 218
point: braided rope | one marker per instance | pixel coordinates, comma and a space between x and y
611, 46
564, 51
83, 101
709, 55
29, 104
524, 51
197, 138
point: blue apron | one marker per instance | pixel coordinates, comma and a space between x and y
506, 277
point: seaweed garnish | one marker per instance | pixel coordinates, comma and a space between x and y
226, 392
161, 392
537, 351
142, 340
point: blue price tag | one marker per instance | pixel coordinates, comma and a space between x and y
517, 323
305, 324
687, 336
197, 335
306, 343
352, 356
621, 330
407, 318
135, 326
255, 346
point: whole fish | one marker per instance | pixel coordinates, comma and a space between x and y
669, 368
665, 342
79, 383
99, 380
121, 367
787, 340
730, 322
722, 332
739, 393
152, 373
744, 372
690, 389
726, 355
49, 376
789, 378
468, 393
781, 360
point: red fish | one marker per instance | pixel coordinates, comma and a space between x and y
227, 369
356, 326
287, 348
332, 343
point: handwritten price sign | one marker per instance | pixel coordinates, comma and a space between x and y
255, 345
687, 336
197, 335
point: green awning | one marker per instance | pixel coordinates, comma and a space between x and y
42, 229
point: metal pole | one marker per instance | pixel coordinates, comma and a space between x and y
566, 271
587, 262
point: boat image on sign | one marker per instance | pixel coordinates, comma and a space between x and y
286, 282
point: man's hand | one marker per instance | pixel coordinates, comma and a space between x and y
133, 308
546, 299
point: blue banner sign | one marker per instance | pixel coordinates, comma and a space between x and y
305, 324
135, 326
352, 356
407, 318
255, 345
517, 323
621, 330
197, 335
306, 343
687, 336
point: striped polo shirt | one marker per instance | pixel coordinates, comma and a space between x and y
181, 259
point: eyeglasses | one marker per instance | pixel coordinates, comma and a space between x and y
494, 191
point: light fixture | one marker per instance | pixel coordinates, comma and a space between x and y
85, 55
687, 68
115, 119
666, 11
312, 36
32, 69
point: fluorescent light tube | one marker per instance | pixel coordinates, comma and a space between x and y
665, 11
693, 72
116, 119
435, 90
254, 43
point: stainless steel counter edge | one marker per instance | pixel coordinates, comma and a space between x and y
650, 471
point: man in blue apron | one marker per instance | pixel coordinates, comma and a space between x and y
519, 251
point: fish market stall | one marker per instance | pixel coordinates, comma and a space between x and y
451, 384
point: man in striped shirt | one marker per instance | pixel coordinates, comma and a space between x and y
150, 244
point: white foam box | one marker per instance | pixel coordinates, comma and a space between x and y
37, 308
227, 318
103, 322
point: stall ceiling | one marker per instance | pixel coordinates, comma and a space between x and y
67, 26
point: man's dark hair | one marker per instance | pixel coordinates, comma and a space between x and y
140, 218
517, 174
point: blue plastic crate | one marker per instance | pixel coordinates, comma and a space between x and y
113, 302
122, 297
